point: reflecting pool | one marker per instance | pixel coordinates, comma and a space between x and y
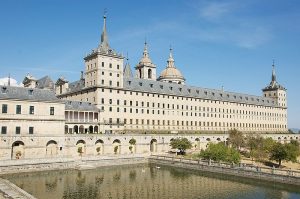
145, 182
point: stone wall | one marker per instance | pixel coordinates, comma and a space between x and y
93, 145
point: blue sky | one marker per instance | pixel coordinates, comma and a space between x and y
215, 43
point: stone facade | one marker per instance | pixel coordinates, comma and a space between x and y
166, 104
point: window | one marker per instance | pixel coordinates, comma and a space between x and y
4, 108
30, 130
3, 130
118, 67
110, 83
31, 110
102, 64
110, 65
18, 130
18, 109
51, 110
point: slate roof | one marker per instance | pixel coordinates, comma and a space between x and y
151, 86
31, 94
76, 86
80, 106
45, 82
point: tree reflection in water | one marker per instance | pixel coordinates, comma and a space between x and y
146, 182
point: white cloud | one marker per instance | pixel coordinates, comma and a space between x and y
215, 10
13, 82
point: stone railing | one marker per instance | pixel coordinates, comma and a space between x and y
286, 176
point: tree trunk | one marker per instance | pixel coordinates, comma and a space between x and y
279, 163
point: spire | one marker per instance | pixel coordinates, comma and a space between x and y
104, 46
273, 84
8, 81
145, 60
273, 73
145, 53
127, 70
170, 60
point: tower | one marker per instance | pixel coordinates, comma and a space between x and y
171, 74
145, 69
104, 66
276, 91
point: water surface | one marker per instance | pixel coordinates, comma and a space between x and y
145, 182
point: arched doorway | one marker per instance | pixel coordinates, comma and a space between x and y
66, 129
91, 129
18, 150
81, 129
99, 147
197, 144
117, 146
75, 129
153, 145
51, 148
80, 145
96, 129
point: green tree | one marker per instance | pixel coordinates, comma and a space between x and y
288, 152
278, 153
220, 152
181, 144
132, 141
236, 138
292, 151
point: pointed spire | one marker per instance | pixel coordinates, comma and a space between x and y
273, 72
8, 81
170, 60
104, 46
145, 53
127, 70
145, 60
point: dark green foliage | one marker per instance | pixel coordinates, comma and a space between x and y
220, 152
288, 152
132, 141
181, 144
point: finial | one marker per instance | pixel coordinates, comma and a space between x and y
8, 81
104, 13
273, 63
127, 57
145, 41
171, 50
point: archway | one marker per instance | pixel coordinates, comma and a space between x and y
132, 146
80, 147
66, 129
91, 129
96, 129
153, 145
149, 74
99, 146
75, 130
117, 146
18, 150
51, 148
81, 129
197, 144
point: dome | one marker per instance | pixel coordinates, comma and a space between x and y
171, 73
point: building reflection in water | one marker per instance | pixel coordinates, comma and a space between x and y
142, 181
